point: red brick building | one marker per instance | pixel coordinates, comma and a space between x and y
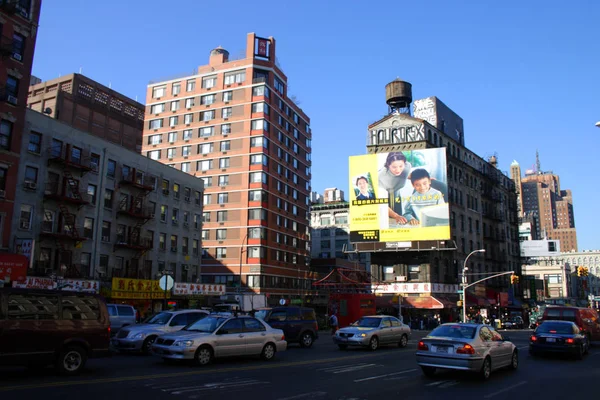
18, 27
233, 124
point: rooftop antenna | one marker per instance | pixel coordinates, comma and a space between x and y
80, 70
110, 85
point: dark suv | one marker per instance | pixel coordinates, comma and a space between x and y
44, 327
299, 324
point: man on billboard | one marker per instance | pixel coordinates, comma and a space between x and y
423, 197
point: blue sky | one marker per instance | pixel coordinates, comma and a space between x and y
522, 75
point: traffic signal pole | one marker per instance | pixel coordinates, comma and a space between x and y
466, 286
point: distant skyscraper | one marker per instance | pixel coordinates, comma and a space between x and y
515, 174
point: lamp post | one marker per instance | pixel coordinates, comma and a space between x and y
241, 251
464, 282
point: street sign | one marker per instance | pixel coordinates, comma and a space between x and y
460, 291
282, 302
166, 280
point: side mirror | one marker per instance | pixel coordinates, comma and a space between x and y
221, 332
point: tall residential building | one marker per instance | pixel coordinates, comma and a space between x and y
233, 125
91, 107
18, 28
549, 208
515, 175
482, 204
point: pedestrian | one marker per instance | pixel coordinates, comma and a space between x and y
333, 321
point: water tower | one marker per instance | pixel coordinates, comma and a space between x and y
398, 96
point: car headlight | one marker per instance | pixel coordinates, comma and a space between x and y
139, 336
184, 343
362, 335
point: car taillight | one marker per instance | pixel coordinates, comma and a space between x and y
316, 327
466, 349
109, 331
534, 338
422, 346
570, 341
282, 337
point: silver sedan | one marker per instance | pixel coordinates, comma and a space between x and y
372, 331
219, 336
466, 347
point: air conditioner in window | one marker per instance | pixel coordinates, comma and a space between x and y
187, 199
101, 270
12, 100
186, 268
105, 238
173, 249
30, 185
25, 225
400, 278
17, 57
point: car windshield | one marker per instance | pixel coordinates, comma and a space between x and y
160, 318
565, 329
261, 314
207, 325
367, 322
455, 331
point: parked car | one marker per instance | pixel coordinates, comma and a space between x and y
45, 327
558, 337
373, 331
139, 338
299, 324
466, 347
586, 319
217, 336
120, 315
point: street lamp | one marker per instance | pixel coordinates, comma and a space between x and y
464, 283
241, 251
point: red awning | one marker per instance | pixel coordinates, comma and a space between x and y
13, 267
428, 302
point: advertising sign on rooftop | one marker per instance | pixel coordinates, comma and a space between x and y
399, 196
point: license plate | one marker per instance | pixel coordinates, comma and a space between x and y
442, 349
550, 340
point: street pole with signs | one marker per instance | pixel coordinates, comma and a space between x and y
464, 283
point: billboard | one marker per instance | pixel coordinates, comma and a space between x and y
540, 248
399, 196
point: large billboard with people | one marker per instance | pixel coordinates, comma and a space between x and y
399, 196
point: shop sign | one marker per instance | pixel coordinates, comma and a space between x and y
189, 289
415, 288
69, 285
125, 288
34, 282
13, 267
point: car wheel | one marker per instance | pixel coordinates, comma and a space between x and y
589, 340
580, 352
486, 369
343, 346
428, 371
204, 355
514, 361
71, 360
373, 343
306, 340
587, 346
147, 345
403, 341
268, 352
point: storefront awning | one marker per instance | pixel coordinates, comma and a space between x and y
427, 302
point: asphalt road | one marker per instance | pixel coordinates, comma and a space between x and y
322, 372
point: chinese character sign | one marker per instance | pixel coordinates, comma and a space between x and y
415, 288
183, 289
399, 196
125, 288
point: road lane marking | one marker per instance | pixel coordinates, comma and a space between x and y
341, 367
448, 384
383, 376
187, 373
506, 389
304, 396
522, 347
216, 386
436, 383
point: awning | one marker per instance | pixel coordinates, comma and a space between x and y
427, 302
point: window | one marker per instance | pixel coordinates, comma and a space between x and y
223, 180
256, 233
221, 234
209, 82
221, 252
3, 173
158, 92
205, 132
221, 216
235, 77
260, 91
190, 85
26, 216
223, 198
91, 191
188, 118
162, 241
171, 152
108, 198
205, 216
88, 228
156, 123
207, 99
205, 234
6, 128
256, 159
224, 162
207, 115
174, 242
260, 124
258, 177
205, 148
18, 46
278, 85
185, 167
225, 145
226, 112
256, 252
31, 174
173, 121
105, 231
28, 306
111, 168
164, 210
157, 108
257, 214
35, 143
225, 129
260, 108
257, 195
204, 165
187, 134
154, 155
195, 247
228, 96
207, 181
197, 198
175, 105
176, 88
259, 141
176, 190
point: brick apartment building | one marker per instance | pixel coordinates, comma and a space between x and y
18, 29
233, 125
87, 105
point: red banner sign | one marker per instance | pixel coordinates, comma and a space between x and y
13, 267
262, 48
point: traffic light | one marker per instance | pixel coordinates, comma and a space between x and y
459, 303
584, 271
514, 279
580, 271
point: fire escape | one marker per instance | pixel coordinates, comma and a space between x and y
131, 206
66, 195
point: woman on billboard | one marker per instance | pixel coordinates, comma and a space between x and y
392, 178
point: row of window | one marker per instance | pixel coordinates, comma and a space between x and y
208, 82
